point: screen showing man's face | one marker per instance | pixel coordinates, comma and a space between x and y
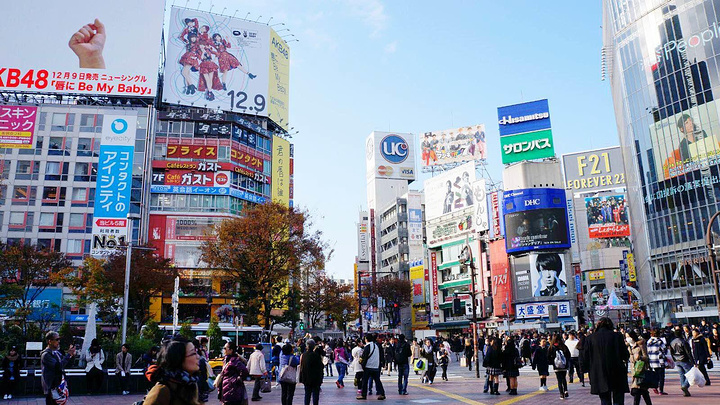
547, 278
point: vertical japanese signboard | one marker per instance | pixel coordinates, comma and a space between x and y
434, 281
281, 171
17, 126
112, 195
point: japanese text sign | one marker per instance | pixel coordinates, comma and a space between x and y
17, 126
540, 309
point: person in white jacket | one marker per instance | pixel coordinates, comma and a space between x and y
95, 358
258, 370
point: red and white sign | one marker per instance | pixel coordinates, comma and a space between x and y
210, 167
17, 126
501, 280
495, 220
434, 278
609, 231
110, 222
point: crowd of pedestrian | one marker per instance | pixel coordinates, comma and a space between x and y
178, 372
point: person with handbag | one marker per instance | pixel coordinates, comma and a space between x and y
371, 361
230, 382
355, 367
311, 373
288, 376
258, 370
341, 362
123, 360
657, 352
683, 357
52, 365
701, 353
427, 352
640, 366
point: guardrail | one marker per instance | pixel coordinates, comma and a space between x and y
31, 385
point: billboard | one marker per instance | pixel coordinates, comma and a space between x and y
450, 191
607, 216
527, 146
239, 154
417, 276
46, 306
535, 219
686, 141
363, 248
191, 178
522, 280
497, 226
434, 282
524, 117
280, 183
481, 210
190, 228
501, 280
453, 146
112, 198
540, 309
449, 228
17, 126
225, 63
390, 156
548, 274
594, 170
415, 226
82, 47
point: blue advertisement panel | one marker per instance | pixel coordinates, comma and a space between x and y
535, 219
245, 195
45, 307
525, 117
114, 180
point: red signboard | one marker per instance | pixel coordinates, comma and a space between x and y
112, 223
501, 280
434, 278
577, 270
495, 214
208, 149
373, 269
192, 151
609, 231
210, 167
245, 158
17, 126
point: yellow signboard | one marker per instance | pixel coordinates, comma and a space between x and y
596, 275
419, 314
280, 183
279, 78
632, 274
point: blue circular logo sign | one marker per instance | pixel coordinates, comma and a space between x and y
119, 126
394, 149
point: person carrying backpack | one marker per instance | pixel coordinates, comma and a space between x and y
402, 360
559, 356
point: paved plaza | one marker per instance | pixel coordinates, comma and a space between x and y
462, 387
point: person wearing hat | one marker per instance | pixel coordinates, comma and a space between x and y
258, 370
11, 373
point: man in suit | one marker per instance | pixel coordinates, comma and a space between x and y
604, 358
52, 364
123, 361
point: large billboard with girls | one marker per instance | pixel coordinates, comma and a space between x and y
226, 63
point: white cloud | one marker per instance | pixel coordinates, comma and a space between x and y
371, 12
391, 47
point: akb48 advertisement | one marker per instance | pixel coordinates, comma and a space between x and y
217, 61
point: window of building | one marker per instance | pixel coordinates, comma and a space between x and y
82, 171
80, 194
47, 219
21, 192
77, 220
62, 122
37, 150
50, 193
17, 219
74, 246
84, 147
42, 121
24, 167
91, 123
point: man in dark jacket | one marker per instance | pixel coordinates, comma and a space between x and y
701, 353
311, 372
402, 356
682, 355
604, 357
52, 364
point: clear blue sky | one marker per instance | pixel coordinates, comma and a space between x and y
417, 66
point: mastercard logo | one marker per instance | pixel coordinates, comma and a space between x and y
221, 179
385, 170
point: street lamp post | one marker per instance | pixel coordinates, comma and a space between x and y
709, 241
467, 259
128, 259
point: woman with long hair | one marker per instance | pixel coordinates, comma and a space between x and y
175, 377
95, 357
511, 364
559, 356
493, 363
540, 362
640, 361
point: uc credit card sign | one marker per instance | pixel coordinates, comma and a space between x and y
112, 198
525, 117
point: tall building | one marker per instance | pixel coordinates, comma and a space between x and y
661, 60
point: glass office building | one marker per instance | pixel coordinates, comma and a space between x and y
662, 59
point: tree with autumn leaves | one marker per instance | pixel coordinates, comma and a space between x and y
396, 293
322, 295
261, 252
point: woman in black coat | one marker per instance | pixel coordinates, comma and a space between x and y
11, 373
511, 359
541, 364
493, 363
604, 358
311, 372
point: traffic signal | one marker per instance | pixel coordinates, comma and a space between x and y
580, 316
457, 307
302, 325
